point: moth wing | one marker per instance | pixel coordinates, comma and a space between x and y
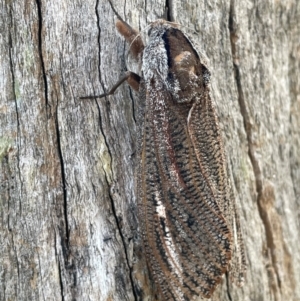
205, 134
187, 240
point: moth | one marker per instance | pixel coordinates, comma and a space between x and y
187, 213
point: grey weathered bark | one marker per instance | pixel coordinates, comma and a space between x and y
68, 218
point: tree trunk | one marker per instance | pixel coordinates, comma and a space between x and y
68, 209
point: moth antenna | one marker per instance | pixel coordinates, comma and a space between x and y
131, 35
116, 13
138, 36
173, 23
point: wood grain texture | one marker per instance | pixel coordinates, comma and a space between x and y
68, 214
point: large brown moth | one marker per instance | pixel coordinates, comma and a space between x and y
187, 214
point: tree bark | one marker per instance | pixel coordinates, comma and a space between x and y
68, 209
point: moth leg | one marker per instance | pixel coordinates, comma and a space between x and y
132, 78
131, 35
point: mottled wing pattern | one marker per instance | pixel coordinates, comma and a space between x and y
188, 243
205, 134
186, 214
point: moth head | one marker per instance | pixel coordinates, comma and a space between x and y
160, 25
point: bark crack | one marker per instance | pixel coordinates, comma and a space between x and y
251, 143
133, 106
228, 287
40, 47
109, 152
168, 12
63, 177
66, 240
64, 229
99, 44
66, 234
16, 106
60, 281
59, 268
123, 239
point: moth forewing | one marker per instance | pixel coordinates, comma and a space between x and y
187, 216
